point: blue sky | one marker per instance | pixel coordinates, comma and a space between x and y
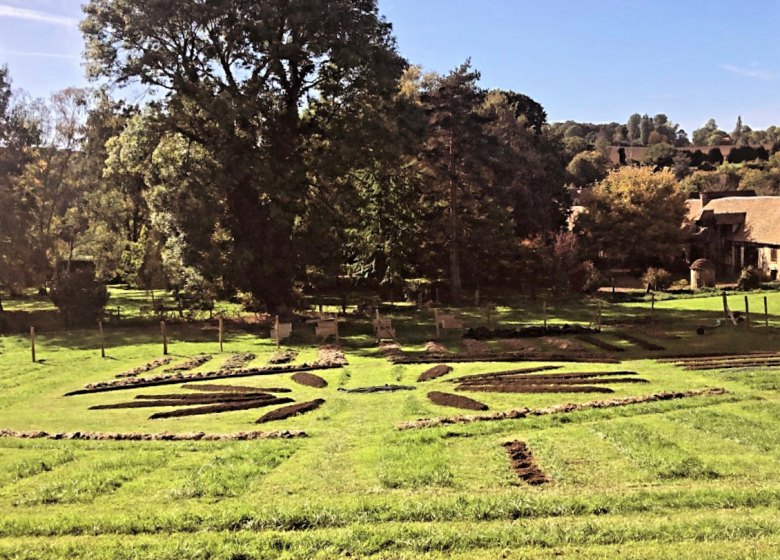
596, 61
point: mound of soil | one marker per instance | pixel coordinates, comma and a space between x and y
159, 362
597, 342
556, 378
651, 346
518, 344
529, 388
483, 333
505, 357
435, 348
709, 356
434, 373
238, 361
310, 380
476, 347
190, 364
380, 389
499, 374
331, 356
285, 357
455, 401
290, 411
563, 344
188, 397
234, 388
164, 436
390, 350
217, 408
523, 463
518, 413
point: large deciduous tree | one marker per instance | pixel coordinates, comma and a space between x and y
281, 100
634, 216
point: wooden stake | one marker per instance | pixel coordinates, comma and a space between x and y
336, 321
165, 338
221, 328
102, 340
32, 342
277, 332
766, 311
747, 313
544, 313
436, 319
599, 321
652, 309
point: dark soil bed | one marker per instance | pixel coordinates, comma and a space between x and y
483, 333
600, 343
467, 380
217, 408
504, 357
709, 356
500, 374
530, 388
227, 396
455, 401
523, 463
290, 411
190, 364
435, 373
733, 365
234, 388
651, 346
182, 402
146, 368
380, 389
310, 380
164, 436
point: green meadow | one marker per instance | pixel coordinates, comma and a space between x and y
689, 478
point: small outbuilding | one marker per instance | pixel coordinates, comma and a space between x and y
702, 274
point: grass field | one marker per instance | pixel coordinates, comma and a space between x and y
690, 478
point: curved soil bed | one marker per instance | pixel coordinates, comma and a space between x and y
215, 409
528, 388
523, 463
455, 401
434, 373
310, 380
549, 377
709, 356
290, 411
234, 388
500, 374
182, 402
505, 357
483, 333
733, 365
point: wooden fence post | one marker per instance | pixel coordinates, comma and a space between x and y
747, 313
544, 313
277, 332
652, 309
766, 311
165, 338
102, 340
221, 327
436, 320
599, 321
32, 342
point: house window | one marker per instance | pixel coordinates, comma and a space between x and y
773, 255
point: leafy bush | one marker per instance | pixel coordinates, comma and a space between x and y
657, 279
586, 279
750, 279
80, 298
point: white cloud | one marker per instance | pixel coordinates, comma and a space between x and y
758, 74
21, 13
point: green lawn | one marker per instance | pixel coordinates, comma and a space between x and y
692, 478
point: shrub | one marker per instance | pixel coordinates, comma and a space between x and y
586, 279
657, 279
79, 297
750, 279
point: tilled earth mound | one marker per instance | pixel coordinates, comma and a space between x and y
434, 373
455, 401
290, 411
234, 388
146, 368
217, 408
310, 380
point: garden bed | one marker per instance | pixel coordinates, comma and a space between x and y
191, 364
285, 357
379, 389
646, 345
163, 436
310, 380
530, 388
219, 408
290, 411
234, 388
238, 361
455, 401
434, 373
483, 333
145, 368
600, 343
